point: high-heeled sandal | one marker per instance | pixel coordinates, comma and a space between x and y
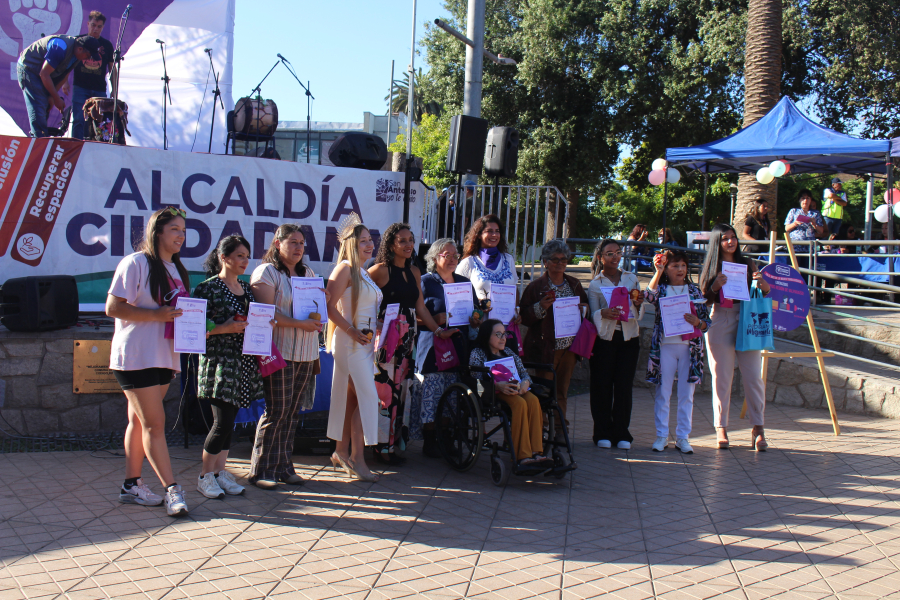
759, 439
338, 461
722, 442
353, 472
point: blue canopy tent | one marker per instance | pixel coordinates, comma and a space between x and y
785, 134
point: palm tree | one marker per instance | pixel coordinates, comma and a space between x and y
762, 90
400, 93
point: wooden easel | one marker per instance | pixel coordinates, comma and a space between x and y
818, 354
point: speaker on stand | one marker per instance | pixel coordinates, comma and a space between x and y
501, 155
39, 303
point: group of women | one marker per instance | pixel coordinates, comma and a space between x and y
384, 394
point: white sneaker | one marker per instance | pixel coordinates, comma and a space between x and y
684, 446
623, 445
139, 494
660, 444
228, 484
209, 487
175, 504
604, 444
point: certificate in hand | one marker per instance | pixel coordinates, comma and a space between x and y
309, 297
736, 287
607, 294
458, 303
391, 312
190, 327
503, 302
672, 310
258, 333
566, 317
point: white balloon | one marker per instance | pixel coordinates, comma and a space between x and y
764, 175
778, 168
672, 175
897, 210
882, 213
659, 164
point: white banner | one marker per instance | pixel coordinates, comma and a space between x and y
76, 208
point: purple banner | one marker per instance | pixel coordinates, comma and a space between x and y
789, 295
24, 21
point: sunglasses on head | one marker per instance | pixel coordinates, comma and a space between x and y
177, 212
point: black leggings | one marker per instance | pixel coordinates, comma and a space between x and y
219, 437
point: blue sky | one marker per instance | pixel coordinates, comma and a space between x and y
343, 47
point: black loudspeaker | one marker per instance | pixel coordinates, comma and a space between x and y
467, 138
358, 151
501, 153
39, 303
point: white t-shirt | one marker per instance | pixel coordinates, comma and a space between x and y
675, 290
482, 277
140, 345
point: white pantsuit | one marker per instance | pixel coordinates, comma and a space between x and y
674, 359
720, 341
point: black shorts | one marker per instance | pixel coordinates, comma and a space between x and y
144, 378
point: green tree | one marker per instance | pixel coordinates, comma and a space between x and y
430, 141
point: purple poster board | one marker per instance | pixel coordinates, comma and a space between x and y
789, 295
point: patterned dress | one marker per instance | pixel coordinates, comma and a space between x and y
696, 345
225, 372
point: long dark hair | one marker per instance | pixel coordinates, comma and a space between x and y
273, 255
596, 265
158, 279
674, 256
473, 238
712, 265
212, 265
482, 340
385, 254
637, 231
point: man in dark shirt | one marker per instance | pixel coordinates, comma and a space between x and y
90, 76
43, 68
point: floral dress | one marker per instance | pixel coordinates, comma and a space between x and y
696, 345
225, 372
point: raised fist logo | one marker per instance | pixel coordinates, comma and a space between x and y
36, 19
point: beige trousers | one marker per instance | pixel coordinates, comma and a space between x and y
720, 342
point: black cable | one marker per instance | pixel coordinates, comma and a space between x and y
205, 89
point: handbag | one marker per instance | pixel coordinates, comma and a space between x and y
513, 328
169, 331
272, 363
697, 333
621, 299
501, 374
723, 301
445, 354
583, 344
755, 323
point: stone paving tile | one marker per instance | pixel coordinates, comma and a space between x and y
816, 517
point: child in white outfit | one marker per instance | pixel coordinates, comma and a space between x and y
672, 355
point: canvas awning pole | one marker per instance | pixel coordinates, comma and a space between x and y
665, 201
705, 188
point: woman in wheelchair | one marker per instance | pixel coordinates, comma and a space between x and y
527, 418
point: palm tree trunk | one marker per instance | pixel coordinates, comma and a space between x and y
762, 90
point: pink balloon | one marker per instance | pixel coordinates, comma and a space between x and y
787, 168
894, 196
657, 177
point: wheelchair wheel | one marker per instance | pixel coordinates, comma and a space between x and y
560, 459
458, 426
500, 471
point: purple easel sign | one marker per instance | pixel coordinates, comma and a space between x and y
789, 295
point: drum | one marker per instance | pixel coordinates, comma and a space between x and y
254, 116
98, 118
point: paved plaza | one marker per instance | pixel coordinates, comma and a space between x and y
815, 517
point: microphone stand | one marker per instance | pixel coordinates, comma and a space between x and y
117, 62
166, 93
309, 97
216, 94
256, 90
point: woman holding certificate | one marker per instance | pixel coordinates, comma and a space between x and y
400, 284
680, 312
485, 259
720, 290
293, 387
541, 343
441, 261
226, 377
616, 306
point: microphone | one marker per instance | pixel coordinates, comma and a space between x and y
160, 42
207, 50
127, 10
283, 58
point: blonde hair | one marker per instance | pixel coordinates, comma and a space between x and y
349, 251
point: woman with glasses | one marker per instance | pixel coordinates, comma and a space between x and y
804, 223
293, 387
441, 261
485, 259
142, 301
527, 418
616, 350
722, 338
541, 344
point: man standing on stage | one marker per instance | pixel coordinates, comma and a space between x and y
834, 202
90, 76
42, 69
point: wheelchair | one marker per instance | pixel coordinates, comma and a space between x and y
463, 413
